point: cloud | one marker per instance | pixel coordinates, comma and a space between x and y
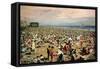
46, 15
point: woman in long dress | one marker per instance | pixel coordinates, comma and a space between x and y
33, 45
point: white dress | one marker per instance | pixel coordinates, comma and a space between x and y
33, 45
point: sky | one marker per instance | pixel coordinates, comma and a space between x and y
57, 16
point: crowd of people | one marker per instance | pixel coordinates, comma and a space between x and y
39, 45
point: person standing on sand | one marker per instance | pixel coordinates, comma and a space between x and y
51, 53
48, 52
33, 45
80, 41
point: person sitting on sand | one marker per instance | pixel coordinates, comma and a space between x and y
41, 58
60, 56
66, 48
